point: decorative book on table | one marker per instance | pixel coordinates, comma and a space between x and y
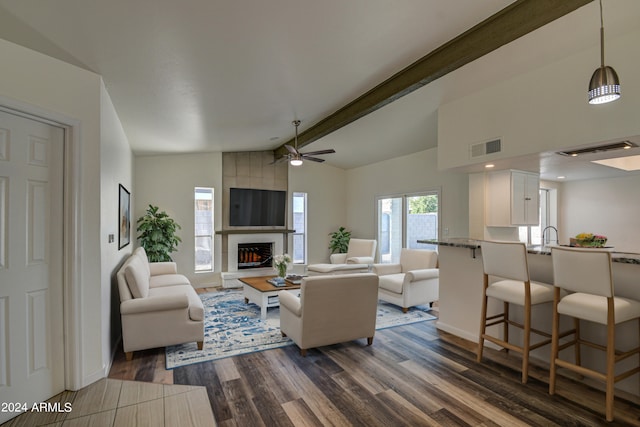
277, 281
294, 279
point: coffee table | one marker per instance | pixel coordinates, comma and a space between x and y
262, 293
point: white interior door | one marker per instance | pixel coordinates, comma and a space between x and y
31, 259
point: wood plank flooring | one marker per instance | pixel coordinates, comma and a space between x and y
412, 375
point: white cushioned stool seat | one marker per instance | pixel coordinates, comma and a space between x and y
512, 291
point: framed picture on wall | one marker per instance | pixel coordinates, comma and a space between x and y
124, 218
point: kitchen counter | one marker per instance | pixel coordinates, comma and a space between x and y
473, 244
460, 263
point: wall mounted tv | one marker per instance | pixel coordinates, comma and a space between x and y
251, 207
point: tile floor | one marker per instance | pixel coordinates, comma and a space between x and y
116, 403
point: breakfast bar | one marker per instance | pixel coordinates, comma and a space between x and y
461, 272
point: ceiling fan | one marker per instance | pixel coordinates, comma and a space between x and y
296, 157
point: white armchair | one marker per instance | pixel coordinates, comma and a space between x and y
360, 251
358, 259
330, 310
414, 281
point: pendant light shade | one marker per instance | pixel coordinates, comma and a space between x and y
604, 85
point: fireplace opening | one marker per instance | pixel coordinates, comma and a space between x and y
254, 255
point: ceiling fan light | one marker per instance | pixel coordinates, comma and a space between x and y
604, 86
295, 161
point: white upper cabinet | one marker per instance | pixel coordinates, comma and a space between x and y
512, 198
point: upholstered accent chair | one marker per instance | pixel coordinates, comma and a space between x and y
360, 256
587, 277
413, 281
331, 309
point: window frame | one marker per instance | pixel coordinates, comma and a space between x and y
305, 198
405, 212
211, 236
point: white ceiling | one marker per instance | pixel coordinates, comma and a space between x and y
216, 75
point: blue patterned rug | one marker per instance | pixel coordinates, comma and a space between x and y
233, 327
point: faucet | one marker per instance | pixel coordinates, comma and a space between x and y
545, 230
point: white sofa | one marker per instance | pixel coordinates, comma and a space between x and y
331, 309
358, 259
158, 307
413, 281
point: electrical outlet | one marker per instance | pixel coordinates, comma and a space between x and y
112, 238
446, 231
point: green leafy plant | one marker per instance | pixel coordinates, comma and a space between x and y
158, 234
339, 241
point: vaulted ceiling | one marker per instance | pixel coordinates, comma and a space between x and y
218, 75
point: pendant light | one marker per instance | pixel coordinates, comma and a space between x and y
604, 85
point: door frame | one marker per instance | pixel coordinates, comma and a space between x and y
71, 270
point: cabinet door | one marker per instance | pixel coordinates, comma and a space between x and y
498, 199
525, 198
532, 200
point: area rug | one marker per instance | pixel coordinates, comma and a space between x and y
233, 327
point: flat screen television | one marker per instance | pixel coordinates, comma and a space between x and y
252, 207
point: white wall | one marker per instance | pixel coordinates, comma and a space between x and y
326, 188
71, 95
408, 174
603, 206
546, 108
169, 182
116, 167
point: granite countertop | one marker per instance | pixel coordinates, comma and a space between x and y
462, 242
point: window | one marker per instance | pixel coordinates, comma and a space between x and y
532, 235
403, 220
300, 226
203, 211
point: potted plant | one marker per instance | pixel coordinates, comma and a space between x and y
158, 234
339, 241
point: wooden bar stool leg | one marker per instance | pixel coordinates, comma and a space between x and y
506, 324
611, 361
555, 332
526, 338
576, 326
483, 319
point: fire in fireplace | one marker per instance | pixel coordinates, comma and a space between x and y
254, 255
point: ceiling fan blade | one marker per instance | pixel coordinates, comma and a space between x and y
315, 153
291, 149
278, 160
313, 159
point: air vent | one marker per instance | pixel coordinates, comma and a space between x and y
624, 145
484, 148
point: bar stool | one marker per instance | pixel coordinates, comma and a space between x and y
587, 274
508, 262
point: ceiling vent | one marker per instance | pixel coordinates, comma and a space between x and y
484, 148
624, 145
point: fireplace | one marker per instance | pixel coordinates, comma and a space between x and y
254, 255
241, 255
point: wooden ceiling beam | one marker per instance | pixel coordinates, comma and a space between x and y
512, 22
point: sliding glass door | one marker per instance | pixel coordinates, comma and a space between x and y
405, 219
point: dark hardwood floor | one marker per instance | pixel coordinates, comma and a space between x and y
412, 375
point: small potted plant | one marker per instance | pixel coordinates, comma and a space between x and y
339, 241
158, 234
